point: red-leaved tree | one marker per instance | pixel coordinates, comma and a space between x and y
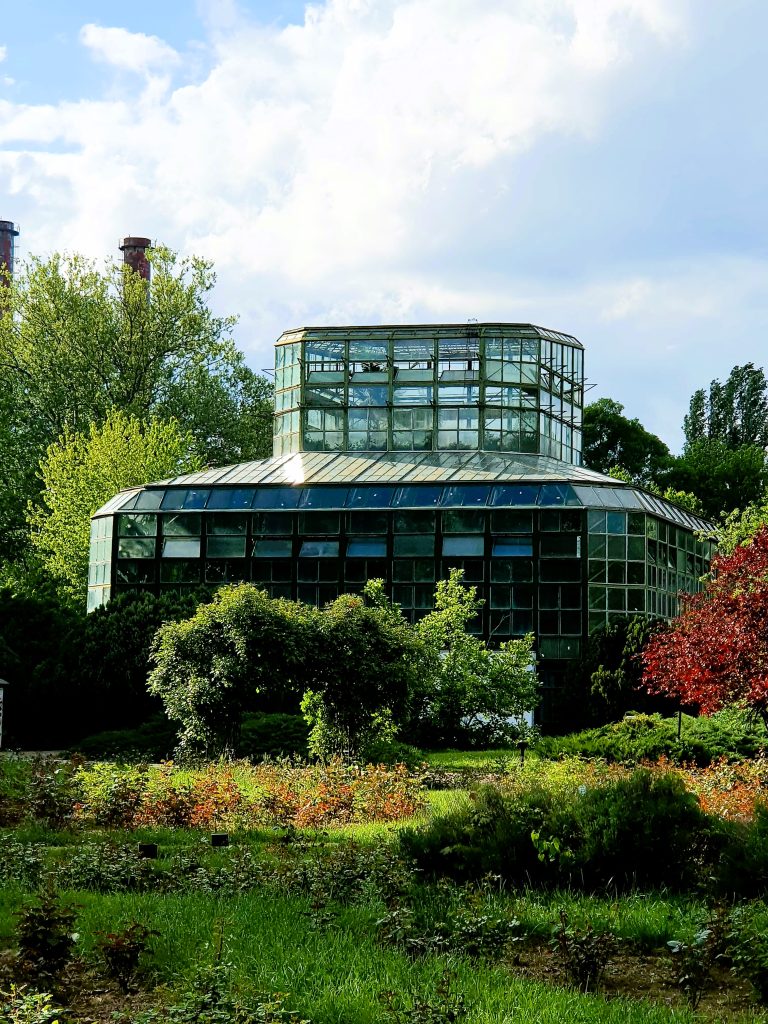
715, 653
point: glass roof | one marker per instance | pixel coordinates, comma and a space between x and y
402, 332
411, 479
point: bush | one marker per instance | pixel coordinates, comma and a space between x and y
741, 853
275, 735
730, 734
639, 831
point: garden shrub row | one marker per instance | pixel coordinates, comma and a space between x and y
641, 831
731, 734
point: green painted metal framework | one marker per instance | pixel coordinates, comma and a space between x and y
552, 547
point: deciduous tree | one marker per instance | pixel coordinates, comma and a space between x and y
82, 471
715, 654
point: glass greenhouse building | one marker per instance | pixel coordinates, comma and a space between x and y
400, 453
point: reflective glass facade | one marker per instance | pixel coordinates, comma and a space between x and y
492, 387
394, 460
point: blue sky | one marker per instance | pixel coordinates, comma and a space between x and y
597, 166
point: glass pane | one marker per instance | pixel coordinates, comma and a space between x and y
509, 520
135, 572
466, 495
463, 521
415, 496
232, 523
560, 545
370, 497
596, 521
367, 547
149, 499
515, 495
414, 545
226, 547
319, 522
513, 547
323, 497
319, 549
272, 549
277, 497
273, 523
636, 548
463, 545
414, 522
129, 547
177, 498
181, 547
226, 572
181, 525
180, 572
231, 497
616, 522
367, 522
137, 525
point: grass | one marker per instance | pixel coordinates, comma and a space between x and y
332, 974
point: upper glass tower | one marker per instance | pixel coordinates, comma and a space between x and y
447, 387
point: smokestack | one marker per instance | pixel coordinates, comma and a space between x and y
8, 233
135, 256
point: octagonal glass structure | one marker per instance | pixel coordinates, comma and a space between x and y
369, 480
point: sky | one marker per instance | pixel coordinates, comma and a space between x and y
594, 166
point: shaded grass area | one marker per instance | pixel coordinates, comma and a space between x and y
333, 974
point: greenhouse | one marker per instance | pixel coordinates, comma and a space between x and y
403, 452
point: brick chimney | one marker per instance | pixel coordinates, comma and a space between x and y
134, 252
8, 234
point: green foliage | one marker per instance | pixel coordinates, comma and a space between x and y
364, 665
735, 413
723, 477
448, 1006
610, 439
76, 343
625, 833
123, 950
741, 849
45, 937
741, 525
747, 946
21, 1006
732, 734
81, 471
71, 674
695, 960
475, 692
605, 681
210, 667
211, 999
583, 952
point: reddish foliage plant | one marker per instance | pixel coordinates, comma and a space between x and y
716, 652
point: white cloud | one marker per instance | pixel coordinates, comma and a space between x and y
3, 52
329, 167
131, 51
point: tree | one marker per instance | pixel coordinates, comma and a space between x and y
80, 472
210, 667
366, 665
611, 439
740, 526
476, 691
715, 653
723, 477
735, 413
685, 499
76, 342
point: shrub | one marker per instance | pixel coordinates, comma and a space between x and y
20, 1006
639, 830
273, 735
740, 851
45, 937
730, 734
